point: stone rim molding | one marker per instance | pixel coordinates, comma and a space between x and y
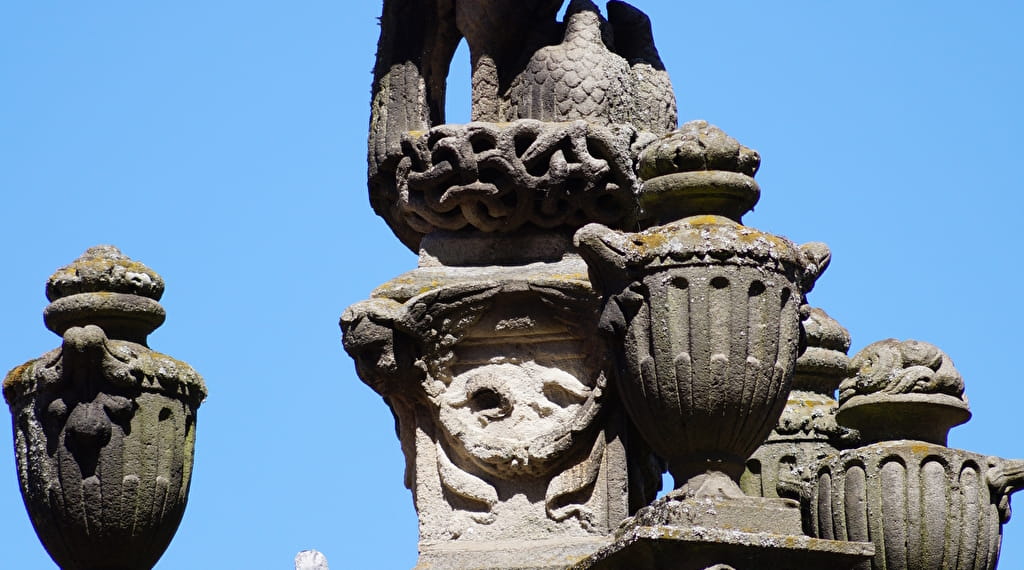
104, 427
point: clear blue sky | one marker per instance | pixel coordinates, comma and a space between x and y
223, 144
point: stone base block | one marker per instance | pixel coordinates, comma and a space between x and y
550, 554
745, 514
699, 548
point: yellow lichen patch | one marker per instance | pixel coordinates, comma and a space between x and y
750, 235
569, 277
650, 239
704, 220
16, 375
920, 449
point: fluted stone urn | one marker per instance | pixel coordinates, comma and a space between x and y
922, 504
706, 316
708, 310
709, 313
104, 427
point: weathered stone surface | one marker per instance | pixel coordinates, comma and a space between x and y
807, 430
677, 297
902, 390
922, 504
104, 427
700, 548
697, 170
505, 177
525, 66
497, 379
310, 560
583, 78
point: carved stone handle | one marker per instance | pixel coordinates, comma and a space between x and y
1005, 477
607, 254
791, 486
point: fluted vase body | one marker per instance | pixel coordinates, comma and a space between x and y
708, 313
105, 458
104, 427
924, 506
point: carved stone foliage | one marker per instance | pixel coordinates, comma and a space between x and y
526, 65
500, 396
708, 315
104, 427
507, 177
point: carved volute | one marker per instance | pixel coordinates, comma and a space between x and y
104, 427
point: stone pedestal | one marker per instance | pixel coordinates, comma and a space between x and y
517, 453
700, 548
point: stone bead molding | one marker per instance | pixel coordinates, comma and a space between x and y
104, 427
507, 177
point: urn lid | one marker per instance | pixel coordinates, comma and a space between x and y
695, 170
106, 288
902, 390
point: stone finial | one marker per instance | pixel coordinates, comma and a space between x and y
824, 362
106, 288
697, 169
103, 421
310, 560
902, 390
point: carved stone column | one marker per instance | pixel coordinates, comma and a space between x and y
517, 451
104, 427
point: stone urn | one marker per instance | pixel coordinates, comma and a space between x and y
104, 427
707, 310
922, 504
706, 316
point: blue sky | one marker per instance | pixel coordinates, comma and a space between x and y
223, 144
